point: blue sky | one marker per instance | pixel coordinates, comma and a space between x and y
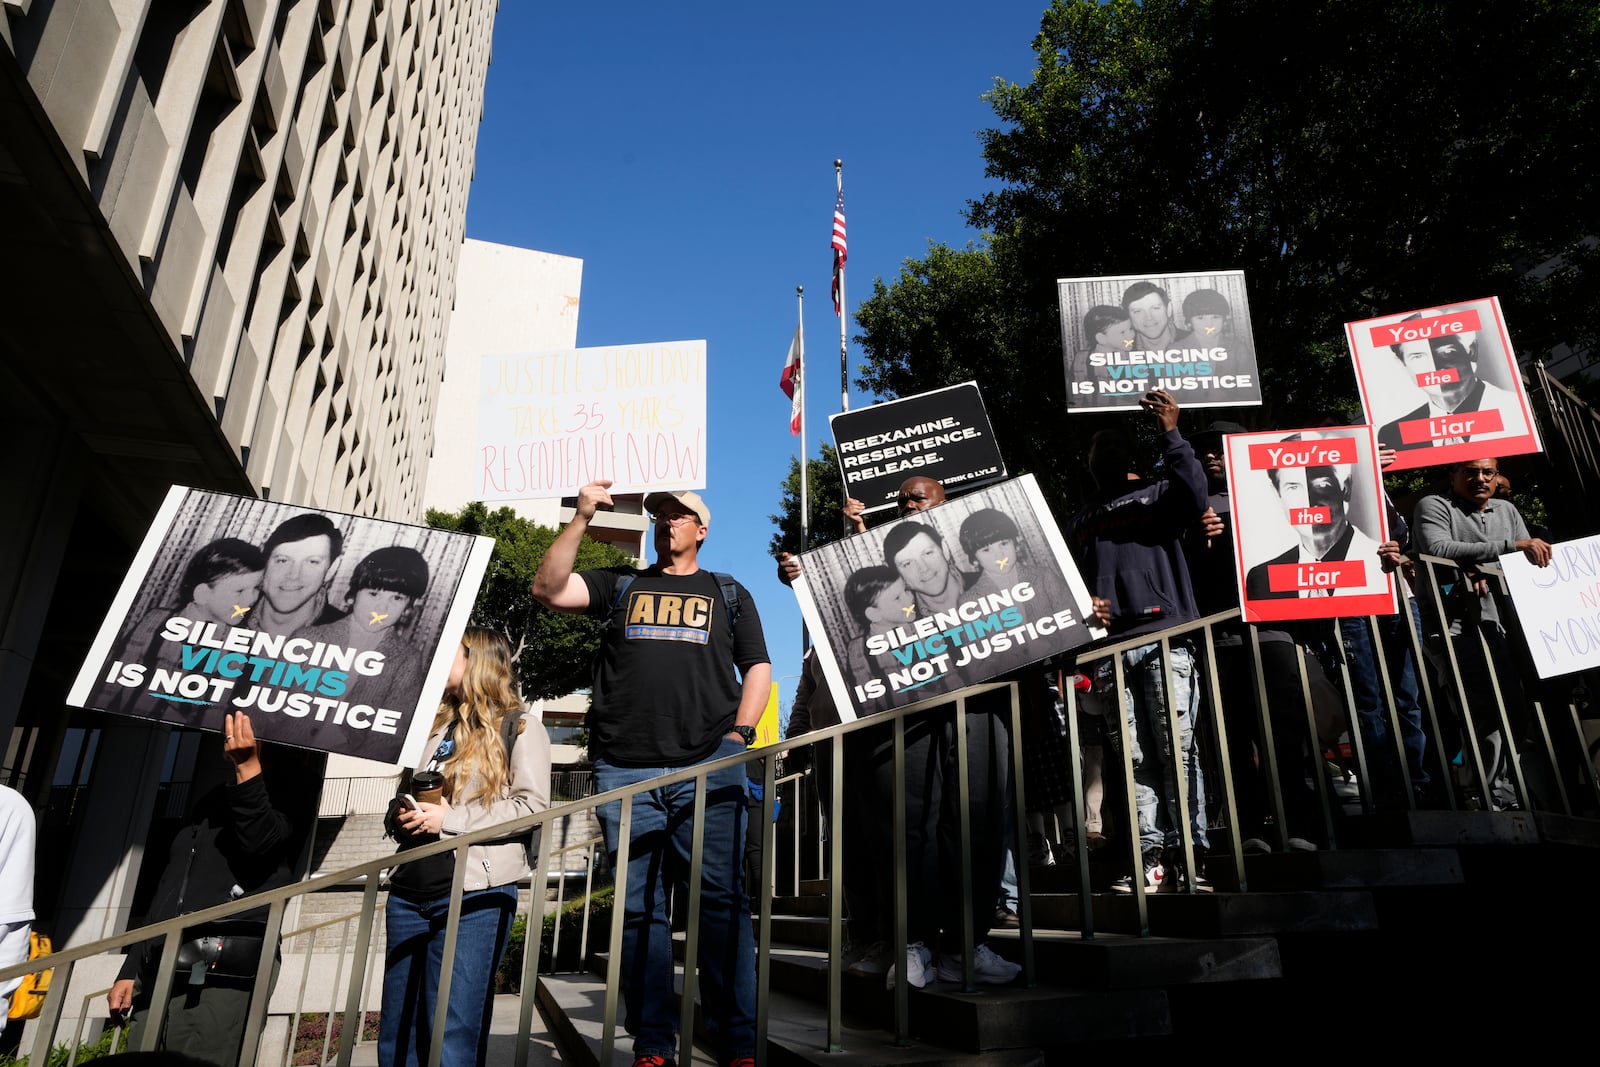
685, 153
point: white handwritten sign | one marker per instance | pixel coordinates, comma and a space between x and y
1559, 605
551, 422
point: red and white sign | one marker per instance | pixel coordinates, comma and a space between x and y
1308, 520
1441, 385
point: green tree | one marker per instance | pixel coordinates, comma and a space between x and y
825, 493
554, 653
1352, 158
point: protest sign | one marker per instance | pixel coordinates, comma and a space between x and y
550, 423
767, 732
1186, 333
332, 631
1308, 520
943, 434
1559, 605
1442, 385
943, 599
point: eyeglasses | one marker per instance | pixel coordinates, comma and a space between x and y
674, 519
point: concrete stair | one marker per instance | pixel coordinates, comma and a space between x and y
1414, 909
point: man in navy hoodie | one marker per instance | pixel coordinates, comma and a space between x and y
1128, 542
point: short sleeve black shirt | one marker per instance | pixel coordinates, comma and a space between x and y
665, 689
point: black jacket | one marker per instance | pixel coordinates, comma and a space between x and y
236, 844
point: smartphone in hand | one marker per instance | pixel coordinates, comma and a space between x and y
408, 802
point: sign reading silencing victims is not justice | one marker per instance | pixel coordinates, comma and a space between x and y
551, 422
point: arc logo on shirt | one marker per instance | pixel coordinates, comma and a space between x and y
668, 617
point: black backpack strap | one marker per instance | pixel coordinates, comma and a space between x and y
509, 731
621, 591
616, 598
730, 597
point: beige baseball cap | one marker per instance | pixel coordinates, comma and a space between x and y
688, 498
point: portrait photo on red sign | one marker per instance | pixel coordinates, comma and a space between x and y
1441, 385
1309, 521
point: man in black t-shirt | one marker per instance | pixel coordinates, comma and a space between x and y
666, 696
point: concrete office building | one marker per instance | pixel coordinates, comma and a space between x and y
229, 234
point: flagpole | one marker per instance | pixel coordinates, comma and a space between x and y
800, 312
844, 373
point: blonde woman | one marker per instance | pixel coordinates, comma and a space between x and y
483, 784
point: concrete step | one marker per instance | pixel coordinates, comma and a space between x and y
574, 1007
993, 1017
1352, 869
806, 931
502, 1050
805, 904
1214, 915
1441, 828
1112, 961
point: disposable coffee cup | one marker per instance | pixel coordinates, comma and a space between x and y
427, 786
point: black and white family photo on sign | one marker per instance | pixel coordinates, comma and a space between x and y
944, 599
338, 629
1188, 334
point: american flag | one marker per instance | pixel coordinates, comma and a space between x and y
840, 252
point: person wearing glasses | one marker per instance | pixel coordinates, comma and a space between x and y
481, 772
682, 678
1470, 525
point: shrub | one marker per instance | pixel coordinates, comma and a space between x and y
60, 1054
310, 1035
598, 906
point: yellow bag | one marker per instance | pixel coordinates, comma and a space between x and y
28, 1001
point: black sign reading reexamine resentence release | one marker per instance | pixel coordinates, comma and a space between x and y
944, 435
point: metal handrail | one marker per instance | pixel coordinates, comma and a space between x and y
1200, 631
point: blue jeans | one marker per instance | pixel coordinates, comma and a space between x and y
1147, 704
415, 956
1367, 688
663, 825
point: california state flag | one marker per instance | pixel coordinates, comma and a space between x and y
790, 382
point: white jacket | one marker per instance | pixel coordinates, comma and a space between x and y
527, 790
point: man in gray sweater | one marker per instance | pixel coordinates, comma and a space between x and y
1471, 526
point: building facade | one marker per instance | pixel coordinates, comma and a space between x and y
230, 232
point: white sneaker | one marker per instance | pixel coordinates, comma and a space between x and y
873, 961
987, 967
919, 961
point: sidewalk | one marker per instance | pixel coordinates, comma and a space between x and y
502, 1039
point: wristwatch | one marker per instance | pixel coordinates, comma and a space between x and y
746, 732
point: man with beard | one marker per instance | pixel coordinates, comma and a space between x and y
1470, 525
